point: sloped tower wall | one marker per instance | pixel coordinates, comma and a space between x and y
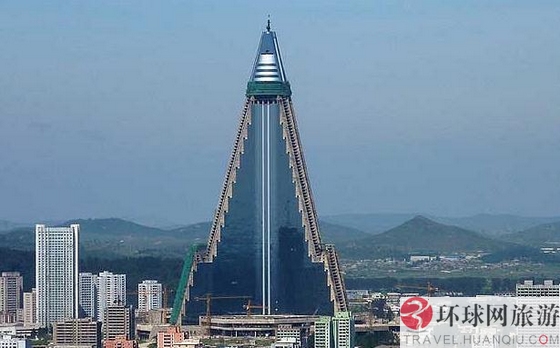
265, 242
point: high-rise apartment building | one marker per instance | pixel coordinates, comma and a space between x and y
30, 307
336, 332
77, 332
323, 333
111, 291
87, 295
343, 330
56, 267
118, 321
11, 289
150, 295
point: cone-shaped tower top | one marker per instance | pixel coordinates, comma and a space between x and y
268, 65
268, 77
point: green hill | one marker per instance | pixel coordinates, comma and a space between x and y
110, 238
421, 235
9, 225
488, 224
94, 228
545, 235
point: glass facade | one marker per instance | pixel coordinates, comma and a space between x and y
264, 244
262, 253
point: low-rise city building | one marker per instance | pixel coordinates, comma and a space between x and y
530, 289
9, 341
172, 335
118, 321
286, 342
120, 342
289, 333
188, 343
77, 332
11, 290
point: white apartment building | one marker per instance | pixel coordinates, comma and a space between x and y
7, 341
111, 291
337, 331
150, 295
87, 295
30, 307
56, 267
323, 333
343, 330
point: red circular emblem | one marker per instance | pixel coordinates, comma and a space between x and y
416, 313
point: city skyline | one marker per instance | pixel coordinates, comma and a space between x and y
447, 109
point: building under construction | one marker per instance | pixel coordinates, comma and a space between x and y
264, 243
278, 326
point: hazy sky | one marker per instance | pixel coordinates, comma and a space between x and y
129, 108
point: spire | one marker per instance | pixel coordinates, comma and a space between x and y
268, 24
268, 76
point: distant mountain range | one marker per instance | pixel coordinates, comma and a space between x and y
489, 224
494, 225
113, 237
545, 235
110, 238
421, 235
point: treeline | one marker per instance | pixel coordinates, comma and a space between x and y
521, 253
165, 270
469, 286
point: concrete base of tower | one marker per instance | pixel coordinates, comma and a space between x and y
258, 325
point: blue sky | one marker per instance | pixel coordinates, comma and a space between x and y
129, 109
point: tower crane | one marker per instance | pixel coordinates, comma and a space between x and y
249, 306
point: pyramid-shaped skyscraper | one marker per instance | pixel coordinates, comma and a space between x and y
265, 243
